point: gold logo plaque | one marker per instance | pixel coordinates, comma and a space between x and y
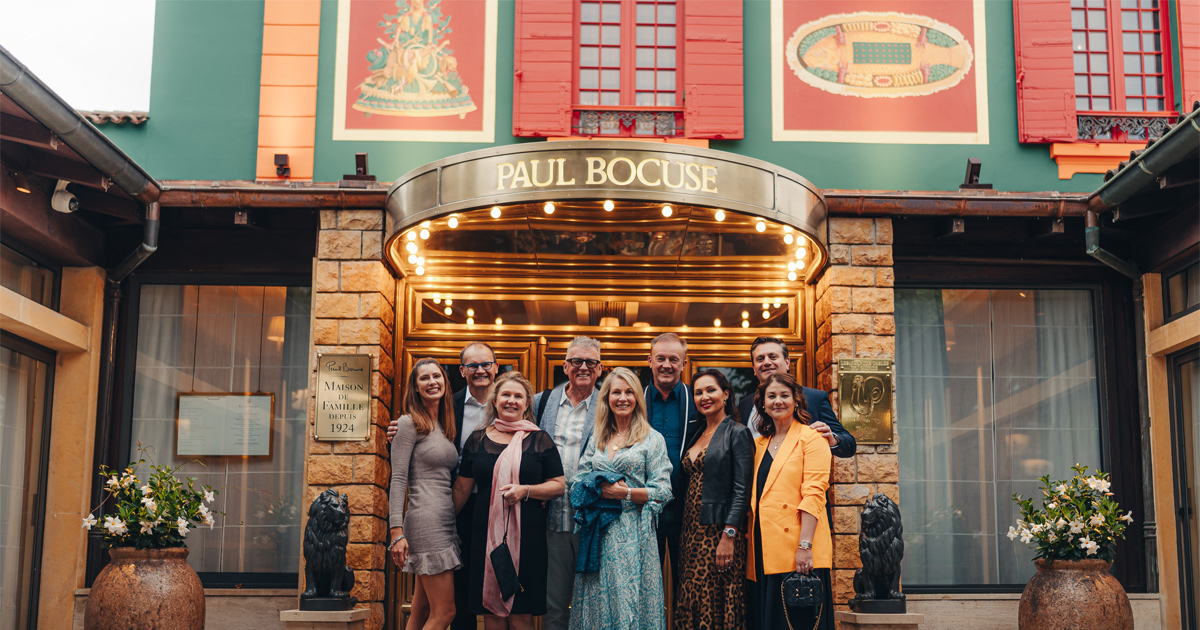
865, 399
343, 397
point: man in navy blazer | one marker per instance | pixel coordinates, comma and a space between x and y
769, 355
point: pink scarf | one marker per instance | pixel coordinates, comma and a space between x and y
507, 471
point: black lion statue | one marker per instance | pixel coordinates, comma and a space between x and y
881, 547
325, 570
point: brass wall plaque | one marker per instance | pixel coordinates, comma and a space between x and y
865, 399
343, 397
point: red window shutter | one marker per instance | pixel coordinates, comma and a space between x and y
1188, 12
1045, 79
712, 69
543, 62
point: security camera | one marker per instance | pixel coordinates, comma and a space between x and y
63, 201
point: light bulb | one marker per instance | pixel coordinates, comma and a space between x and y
424, 234
499, 322
720, 215
776, 305
449, 302
426, 224
420, 260
745, 323
412, 236
766, 305
437, 300
799, 264
448, 310
787, 228
766, 314
716, 323
787, 238
470, 312
420, 270
411, 247
745, 314
761, 226
609, 205
412, 259
801, 252
470, 321
791, 266
792, 276
495, 212
453, 222
667, 211
549, 207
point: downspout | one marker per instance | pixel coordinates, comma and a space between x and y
1091, 241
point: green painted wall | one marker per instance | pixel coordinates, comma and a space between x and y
203, 92
204, 109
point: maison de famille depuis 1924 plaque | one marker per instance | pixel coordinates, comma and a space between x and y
343, 397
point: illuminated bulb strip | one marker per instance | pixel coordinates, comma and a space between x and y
667, 211
420, 271
421, 260
787, 238
716, 323
453, 222
766, 305
792, 276
745, 314
412, 259
766, 314
448, 310
720, 215
745, 323
549, 207
495, 212
412, 236
449, 302
470, 312
801, 252
777, 305
609, 205
411, 247
426, 224
470, 321
761, 226
424, 234
499, 322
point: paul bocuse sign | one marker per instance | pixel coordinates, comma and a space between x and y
575, 173
343, 397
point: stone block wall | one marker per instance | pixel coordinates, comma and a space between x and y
855, 314
354, 312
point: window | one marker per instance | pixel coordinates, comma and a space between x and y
1122, 64
627, 58
26, 277
230, 339
995, 388
1181, 291
1185, 420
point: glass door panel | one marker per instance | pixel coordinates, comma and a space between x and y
1185, 385
22, 409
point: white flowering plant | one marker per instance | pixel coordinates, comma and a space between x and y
1077, 520
154, 513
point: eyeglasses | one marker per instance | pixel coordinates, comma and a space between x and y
485, 366
591, 363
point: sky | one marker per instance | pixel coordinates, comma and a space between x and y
95, 55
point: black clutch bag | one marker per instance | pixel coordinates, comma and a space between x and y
503, 567
801, 590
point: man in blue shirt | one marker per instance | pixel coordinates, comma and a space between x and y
672, 412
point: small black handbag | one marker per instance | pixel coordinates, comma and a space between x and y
800, 590
503, 567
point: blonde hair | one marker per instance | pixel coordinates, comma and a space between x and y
489, 404
414, 406
606, 422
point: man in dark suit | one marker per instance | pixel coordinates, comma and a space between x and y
769, 355
477, 364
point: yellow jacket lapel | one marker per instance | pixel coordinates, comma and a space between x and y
785, 450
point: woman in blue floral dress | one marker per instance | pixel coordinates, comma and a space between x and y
627, 592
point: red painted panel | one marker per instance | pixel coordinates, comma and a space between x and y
1189, 50
543, 64
712, 69
1045, 88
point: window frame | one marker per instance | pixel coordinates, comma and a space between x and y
628, 69
39, 259
1115, 52
127, 367
1113, 323
1165, 277
1179, 472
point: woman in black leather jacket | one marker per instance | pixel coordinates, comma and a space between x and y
717, 466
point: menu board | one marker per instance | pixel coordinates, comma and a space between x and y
224, 425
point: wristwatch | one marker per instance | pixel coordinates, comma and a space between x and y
629, 494
729, 532
805, 544
393, 543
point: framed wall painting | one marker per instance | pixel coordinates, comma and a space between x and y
415, 70
891, 72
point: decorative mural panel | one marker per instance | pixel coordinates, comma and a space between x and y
905, 72
416, 70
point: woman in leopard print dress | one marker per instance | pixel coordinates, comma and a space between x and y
717, 466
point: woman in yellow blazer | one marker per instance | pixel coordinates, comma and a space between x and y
787, 508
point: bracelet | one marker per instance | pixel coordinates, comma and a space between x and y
628, 494
393, 543
527, 491
805, 545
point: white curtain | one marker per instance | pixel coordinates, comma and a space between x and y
22, 386
230, 339
994, 389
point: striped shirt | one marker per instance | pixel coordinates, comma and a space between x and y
568, 436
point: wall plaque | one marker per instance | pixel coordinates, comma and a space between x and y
343, 397
865, 399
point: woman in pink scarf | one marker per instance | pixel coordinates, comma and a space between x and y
516, 467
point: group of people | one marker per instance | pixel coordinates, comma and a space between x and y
585, 492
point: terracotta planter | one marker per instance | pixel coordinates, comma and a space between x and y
1074, 594
150, 589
